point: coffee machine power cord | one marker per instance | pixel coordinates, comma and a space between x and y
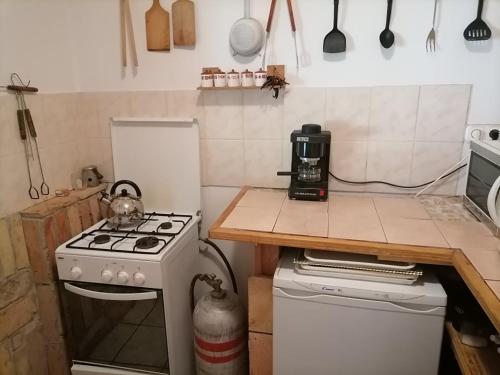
396, 185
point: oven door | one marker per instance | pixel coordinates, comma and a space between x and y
115, 327
483, 183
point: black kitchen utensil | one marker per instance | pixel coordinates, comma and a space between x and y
478, 29
387, 36
334, 41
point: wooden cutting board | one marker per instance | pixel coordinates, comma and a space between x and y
157, 28
183, 23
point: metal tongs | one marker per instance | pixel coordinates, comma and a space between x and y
24, 121
268, 30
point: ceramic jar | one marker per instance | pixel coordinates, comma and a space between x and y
233, 79
260, 77
220, 79
207, 80
247, 78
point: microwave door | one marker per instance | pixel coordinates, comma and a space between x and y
493, 204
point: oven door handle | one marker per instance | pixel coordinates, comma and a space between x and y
110, 296
492, 201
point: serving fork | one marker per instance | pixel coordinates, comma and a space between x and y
430, 43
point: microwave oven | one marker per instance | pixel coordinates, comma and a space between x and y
483, 182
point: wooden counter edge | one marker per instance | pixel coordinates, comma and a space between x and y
483, 293
385, 251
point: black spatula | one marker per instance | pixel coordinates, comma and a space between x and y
478, 29
334, 41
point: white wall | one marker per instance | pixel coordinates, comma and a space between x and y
75, 46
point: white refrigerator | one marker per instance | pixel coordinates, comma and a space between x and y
328, 326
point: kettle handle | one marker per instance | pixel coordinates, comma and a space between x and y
126, 182
491, 202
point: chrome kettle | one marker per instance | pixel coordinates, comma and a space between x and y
127, 209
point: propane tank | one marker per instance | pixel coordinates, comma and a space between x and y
219, 331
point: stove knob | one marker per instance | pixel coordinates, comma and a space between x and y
139, 278
494, 134
107, 275
75, 272
122, 277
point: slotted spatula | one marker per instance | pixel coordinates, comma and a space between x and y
334, 41
478, 29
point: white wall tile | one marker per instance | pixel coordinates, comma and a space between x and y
393, 113
303, 105
263, 159
347, 113
431, 159
348, 162
390, 162
442, 113
223, 115
223, 162
262, 115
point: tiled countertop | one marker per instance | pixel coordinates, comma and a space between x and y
430, 229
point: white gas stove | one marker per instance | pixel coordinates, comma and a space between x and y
125, 290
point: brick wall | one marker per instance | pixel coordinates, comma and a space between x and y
31, 328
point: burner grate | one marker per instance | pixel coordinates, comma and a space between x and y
139, 239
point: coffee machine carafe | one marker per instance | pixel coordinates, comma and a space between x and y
310, 163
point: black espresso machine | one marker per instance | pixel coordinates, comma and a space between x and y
310, 163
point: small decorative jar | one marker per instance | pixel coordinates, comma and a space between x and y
207, 79
260, 77
247, 78
220, 79
233, 79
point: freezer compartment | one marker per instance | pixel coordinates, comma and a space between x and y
328, 335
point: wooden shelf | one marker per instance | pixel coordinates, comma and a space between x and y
229, 88
473, 361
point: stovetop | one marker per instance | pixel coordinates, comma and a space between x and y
151, 235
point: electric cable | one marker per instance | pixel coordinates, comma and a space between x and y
396, 185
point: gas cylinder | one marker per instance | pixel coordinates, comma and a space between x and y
219, 332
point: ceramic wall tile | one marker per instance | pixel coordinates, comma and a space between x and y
98, 152
263, 159
348, 162
393, 113
303, 105
111, 104
59, 113
442, 113
430, 160
88, 116
10, 139
63, 162
223, 162
148, 104
388, 161
348, 113
262, 115
184, 103
223, 115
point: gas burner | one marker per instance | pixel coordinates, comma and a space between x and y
166, 225
145, 243
102, 239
